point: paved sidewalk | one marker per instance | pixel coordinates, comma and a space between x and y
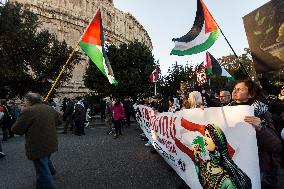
93, 161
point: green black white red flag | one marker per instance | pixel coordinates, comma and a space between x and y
202, 35
155, 75
92, 43
201, 74
214, 68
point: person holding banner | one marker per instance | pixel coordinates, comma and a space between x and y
194, 100
225, 98
173, 106
246, 92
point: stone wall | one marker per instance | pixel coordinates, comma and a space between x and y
67, 19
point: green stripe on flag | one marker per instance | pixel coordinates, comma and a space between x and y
199, 48
209, 71
94, 54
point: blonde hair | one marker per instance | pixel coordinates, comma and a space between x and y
195, 99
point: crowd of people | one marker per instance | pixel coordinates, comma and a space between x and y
268, 117
38, 121
9, 112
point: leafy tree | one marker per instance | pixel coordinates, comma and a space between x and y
239, 67
31, 58
132, 65
170, 83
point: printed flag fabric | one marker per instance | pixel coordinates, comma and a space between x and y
92, 43
201, 74
155, 75
213, 67
202, 35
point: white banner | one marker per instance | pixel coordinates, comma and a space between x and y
210, 148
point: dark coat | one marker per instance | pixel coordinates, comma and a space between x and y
69, 109
80, 113
268, 142
38, 123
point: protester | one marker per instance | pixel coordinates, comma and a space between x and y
119, 115
158, 104
246, 92
15, 111
64, 104
276, 107
2, 154
128, 107
209, 98
225, 98
1, 117
38, 122
6, 121
194, 100
79, 117
52, 103
173, 107
88, 118
68, 116
102, 108
182, 93
108, 114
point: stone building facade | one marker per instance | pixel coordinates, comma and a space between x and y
67, 19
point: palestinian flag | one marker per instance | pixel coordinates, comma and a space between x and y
214, 68
92, 43
155, 75
201, 74
202, 35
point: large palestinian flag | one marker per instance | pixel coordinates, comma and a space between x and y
202, 35
92, 43
214, 68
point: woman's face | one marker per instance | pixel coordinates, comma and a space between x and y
282, 91
182, 87
241, 93
210, 145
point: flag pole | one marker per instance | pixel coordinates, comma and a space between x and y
246, 72
61, 72
155, 88
74, 50
230, 46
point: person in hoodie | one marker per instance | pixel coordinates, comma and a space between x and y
79, 117
119, 116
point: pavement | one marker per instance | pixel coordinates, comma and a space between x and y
93, 161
